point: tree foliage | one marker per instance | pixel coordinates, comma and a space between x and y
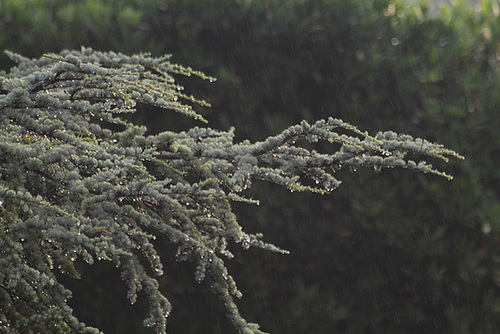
79, 180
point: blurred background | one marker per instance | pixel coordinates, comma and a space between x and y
389, 252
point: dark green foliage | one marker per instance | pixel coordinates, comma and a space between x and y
53, 25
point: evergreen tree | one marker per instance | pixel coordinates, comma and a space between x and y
80, 181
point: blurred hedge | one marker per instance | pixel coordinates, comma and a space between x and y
393, 252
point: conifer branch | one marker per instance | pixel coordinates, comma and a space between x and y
73, 187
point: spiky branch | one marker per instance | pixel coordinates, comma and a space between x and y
73, 186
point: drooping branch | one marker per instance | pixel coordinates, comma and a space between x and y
73, 187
